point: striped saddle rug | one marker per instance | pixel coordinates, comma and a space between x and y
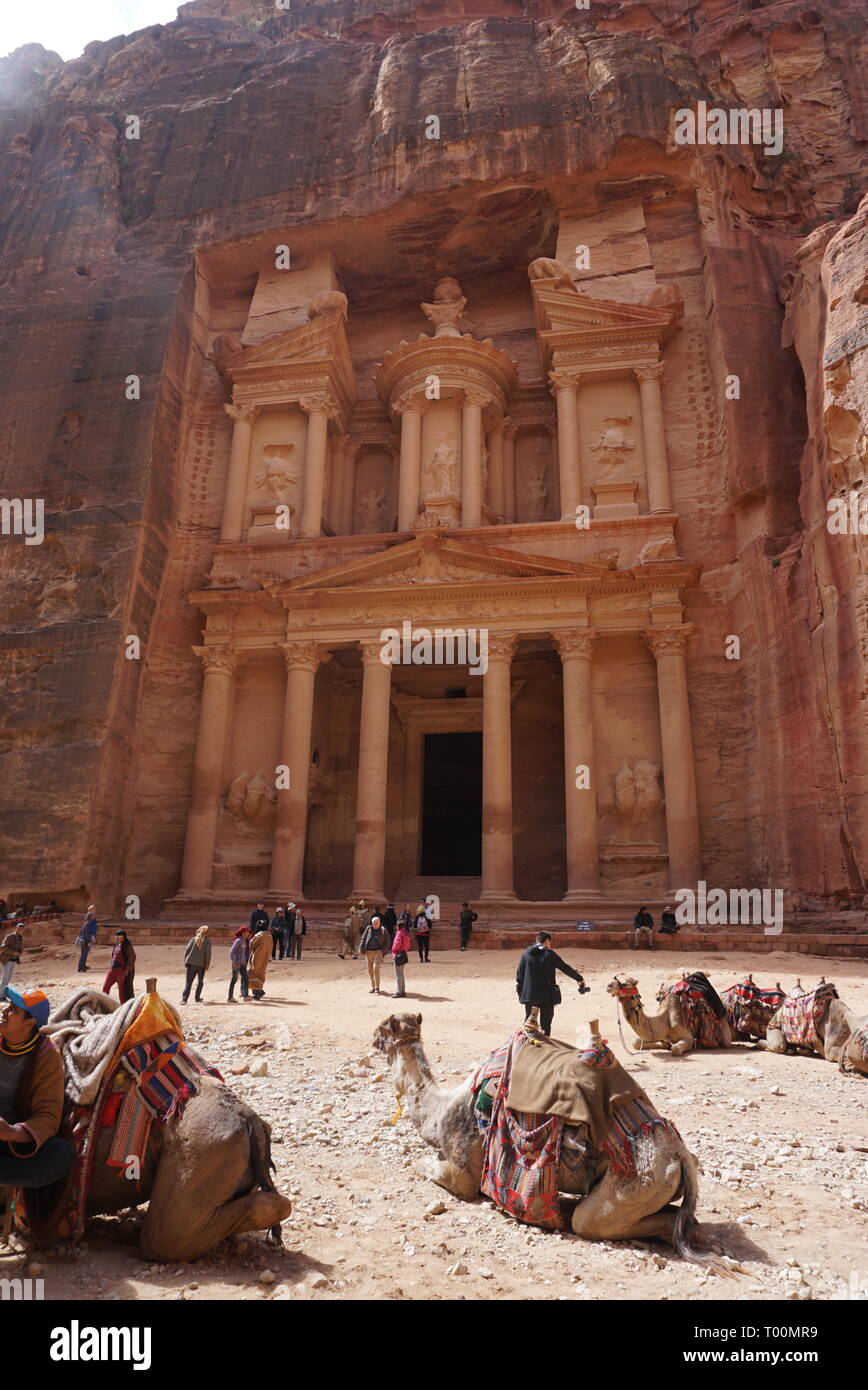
749, 1008
801, 1013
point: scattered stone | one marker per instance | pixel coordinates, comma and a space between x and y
259, 1068
268, 1277
458, 1268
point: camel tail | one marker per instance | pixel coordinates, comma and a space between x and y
685, 1222
259, 1135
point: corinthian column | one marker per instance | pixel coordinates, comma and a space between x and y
318, 409
576, 647
370, 850
497, 771
564, 385
471, 457
236, 482
669, 645
214, 708
657, 469
410, 409
290, 830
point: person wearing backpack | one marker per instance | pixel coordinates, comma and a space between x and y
375, 941
422, 928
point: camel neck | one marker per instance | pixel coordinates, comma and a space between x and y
417, 1074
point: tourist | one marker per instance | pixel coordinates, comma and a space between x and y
32, 1151
260, 954
668, 924
405, 918
122, 969
401, 952
10, 955
258, 919
239, 954
296, 928
197, 959
535, 981
422, 928
365, 915
20, 908
643, 925
390, 920
466, 920
350, 937
87, 938
375, 940
277, 927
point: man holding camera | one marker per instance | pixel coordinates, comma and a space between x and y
535, 979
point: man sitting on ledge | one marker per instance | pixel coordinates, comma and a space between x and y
32, 1154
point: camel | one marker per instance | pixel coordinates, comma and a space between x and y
205, 1176
610, 1207
749, 1008
668, 1029
840, 1034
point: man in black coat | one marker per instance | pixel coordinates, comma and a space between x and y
535, 979
465, 921
389, 920
258, 919
643, 929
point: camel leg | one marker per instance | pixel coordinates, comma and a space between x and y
725, 1033
629, 1211
456, 1180
173, 1230
683, 1045
774, 1041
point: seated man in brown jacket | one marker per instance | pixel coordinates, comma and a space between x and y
32, 1154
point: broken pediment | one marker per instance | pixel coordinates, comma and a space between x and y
574, 325
314, 357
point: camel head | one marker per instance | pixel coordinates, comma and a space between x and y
395, 1030
623, 989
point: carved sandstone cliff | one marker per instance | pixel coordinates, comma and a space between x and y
255, 122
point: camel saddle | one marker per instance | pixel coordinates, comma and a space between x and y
555, 1079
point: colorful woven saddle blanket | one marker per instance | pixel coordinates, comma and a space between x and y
800, 1015
699, 1016
749, 1008
523, 1149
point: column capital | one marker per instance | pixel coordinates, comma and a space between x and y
410, 400
223, 659
651, 373
373, 652
244, 413
502, 646
663, 640
563, 380
474, 395
319, 403
306, 656
575, 642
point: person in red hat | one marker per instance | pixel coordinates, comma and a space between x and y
32, 1153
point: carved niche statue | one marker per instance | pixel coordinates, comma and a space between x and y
613, 446
251, 799
277, 475
443, 467
638, 795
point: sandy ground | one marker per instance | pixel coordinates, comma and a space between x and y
782, 1143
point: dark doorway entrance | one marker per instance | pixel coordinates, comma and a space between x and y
452, 805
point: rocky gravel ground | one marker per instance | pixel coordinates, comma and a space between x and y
782, 1144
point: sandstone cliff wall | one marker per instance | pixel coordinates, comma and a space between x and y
254, 123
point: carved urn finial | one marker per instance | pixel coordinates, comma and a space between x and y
449, 304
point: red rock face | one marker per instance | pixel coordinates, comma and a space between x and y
125, 258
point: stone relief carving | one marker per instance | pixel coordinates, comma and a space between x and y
659, 548
251, 799
327, 301
638, 794
278, 474
545, 268
613, 446
371, 508
320, 785
443, 467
